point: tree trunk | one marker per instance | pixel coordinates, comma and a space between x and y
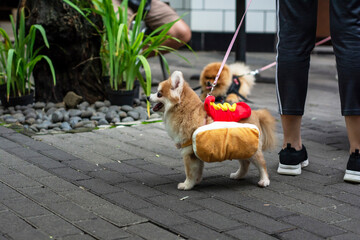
74, 51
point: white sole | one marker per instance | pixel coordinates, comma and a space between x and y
352, 176
292, 169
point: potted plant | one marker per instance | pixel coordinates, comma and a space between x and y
19, 59
125, 46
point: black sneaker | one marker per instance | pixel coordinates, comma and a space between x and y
352, 173
291, 161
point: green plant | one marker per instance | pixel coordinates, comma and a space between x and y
4, 47
19, 58
125, 49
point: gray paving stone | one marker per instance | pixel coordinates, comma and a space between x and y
162, 216
25, 234
246, 233
128, 201
83, 166
54, 226
98, 186
19, 181
346, 210
117, 215
10, 223
58, 155
265, 208
213, 220
180, 205
8, 193
346, 236
45, 162
139, 189
25, 207
159, 169
23, 153
8, 144
121, 167
272, 197
78, 237
85, 198
150, 231
171, 189
70, 211
351, 225
316, 212
263, 223
193, 230
69, 174
102, 229
109, 176
219, 207
298, 234
315, 199
4, 170
32, 171
346, 197
42, 195
58, 184
314, 226
150, 179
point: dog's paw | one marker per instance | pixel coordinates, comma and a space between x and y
185, 186
237, 175
264, 182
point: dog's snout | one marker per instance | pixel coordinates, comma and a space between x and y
208, 83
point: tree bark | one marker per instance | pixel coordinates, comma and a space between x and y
74, 51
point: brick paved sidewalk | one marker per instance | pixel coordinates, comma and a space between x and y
121, 183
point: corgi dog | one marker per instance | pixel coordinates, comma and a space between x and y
183, 113
234, 83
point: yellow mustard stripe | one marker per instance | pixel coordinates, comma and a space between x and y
224, 107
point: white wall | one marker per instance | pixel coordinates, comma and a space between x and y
219, 15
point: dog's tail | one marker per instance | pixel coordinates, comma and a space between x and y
267, 125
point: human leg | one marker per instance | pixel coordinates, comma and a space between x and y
296, 39
345, 34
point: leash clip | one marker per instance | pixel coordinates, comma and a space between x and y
254, 72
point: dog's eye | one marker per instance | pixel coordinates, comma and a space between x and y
209, 78
159, 95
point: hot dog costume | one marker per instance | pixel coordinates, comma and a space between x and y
225, 138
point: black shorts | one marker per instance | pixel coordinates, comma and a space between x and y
296, 39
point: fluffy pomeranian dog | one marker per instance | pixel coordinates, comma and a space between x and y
184, 112
234, 83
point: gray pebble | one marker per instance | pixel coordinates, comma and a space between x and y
135, 115
103, 121
57, 117
126, 108
39, 105
103, 109
122, 114
86, 114
110, 115
128, 119
30, 121
99, 104
107, 103
65, 126
74, 112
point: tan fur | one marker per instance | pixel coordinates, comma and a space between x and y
184, 113
208, 75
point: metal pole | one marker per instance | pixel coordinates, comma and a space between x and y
240, 43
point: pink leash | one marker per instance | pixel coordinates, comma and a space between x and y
229, 50
257, 71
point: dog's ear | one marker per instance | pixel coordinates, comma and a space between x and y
177, 82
